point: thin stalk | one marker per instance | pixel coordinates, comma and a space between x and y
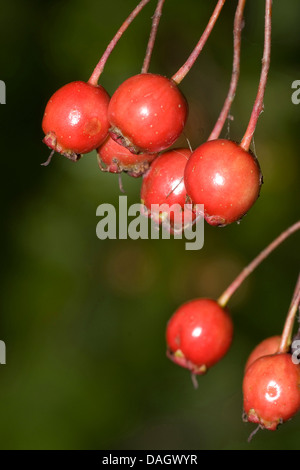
182, 72
153, 34
224, 298
237, 35
94, 78
259, 101
286, 337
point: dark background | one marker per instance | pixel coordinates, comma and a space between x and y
84, 320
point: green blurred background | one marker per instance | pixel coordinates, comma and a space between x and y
84, 320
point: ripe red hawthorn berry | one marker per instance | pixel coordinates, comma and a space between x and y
199, 334
75, 119
225, 178
265, 348
271, 389
147, 113
163, 185
115, 158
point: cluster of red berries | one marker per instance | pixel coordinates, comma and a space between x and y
144, 117
134, 131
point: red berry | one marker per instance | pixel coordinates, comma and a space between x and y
225, 178
199, 334
147, 113
163, 184
75, 119
265, 348
115, 158
271, 389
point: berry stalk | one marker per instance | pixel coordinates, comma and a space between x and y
224, 298
153, 33
94, 78
258, 104
286, 337
237, 34
183, 71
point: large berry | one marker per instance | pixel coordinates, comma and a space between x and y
147, 113
75, 119
115, 158
271, 389
199, 334
163, 186
225, 178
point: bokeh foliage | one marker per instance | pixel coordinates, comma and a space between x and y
83, 319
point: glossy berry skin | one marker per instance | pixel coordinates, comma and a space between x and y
266, 347
147, 113
163, 184
199, 334
271, 389
225, 178
115, 158
75, 119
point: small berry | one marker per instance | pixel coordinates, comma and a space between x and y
199, 334
115, 158
75, 119
163, 185
147, 113
271, 389
266, 347
225, 178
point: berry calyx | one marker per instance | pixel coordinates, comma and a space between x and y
163, 185
147, 113
75, 119
267, 347
115, 158
271, 389
225, 178
199, 334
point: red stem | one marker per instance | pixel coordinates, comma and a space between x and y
224, 298
258, 104
237, 34
153, 33
94, 78
182, 72
286, 337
